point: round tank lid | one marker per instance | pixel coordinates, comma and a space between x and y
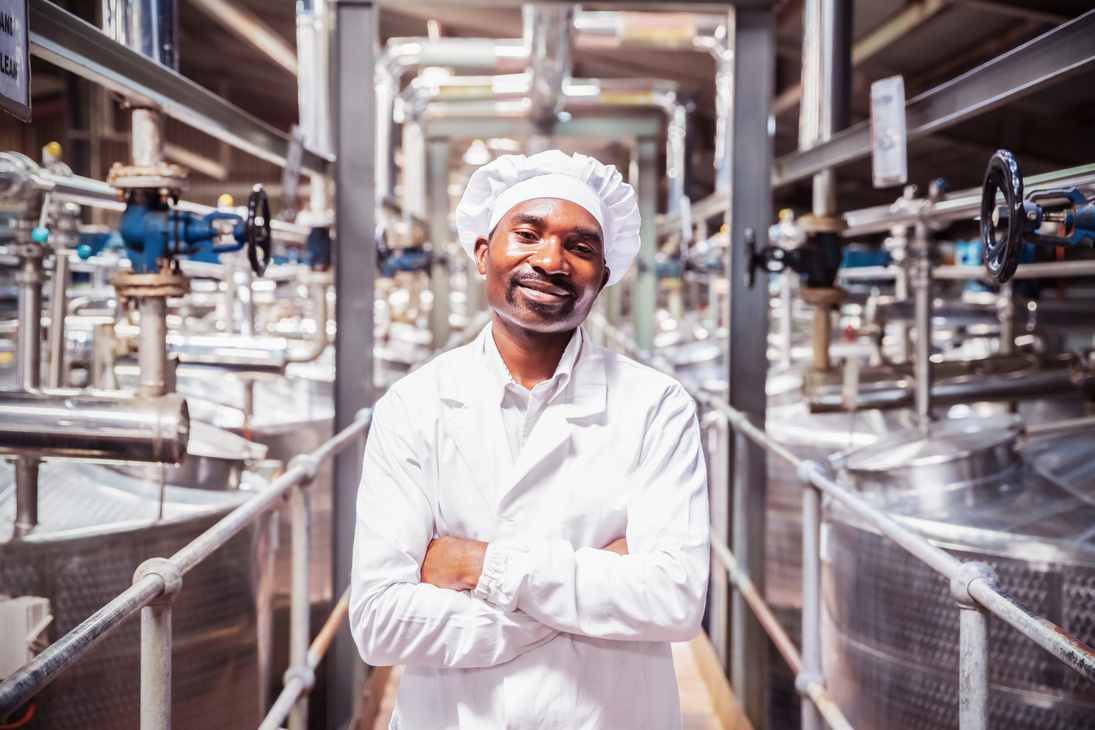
949, 441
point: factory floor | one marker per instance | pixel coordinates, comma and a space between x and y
706, 700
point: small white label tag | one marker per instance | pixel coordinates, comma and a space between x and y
889, 163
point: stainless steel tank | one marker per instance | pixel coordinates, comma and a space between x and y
97, 526
890, 625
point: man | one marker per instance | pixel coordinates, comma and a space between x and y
532, 521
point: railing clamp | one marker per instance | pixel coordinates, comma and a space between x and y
168, 571
307, 462
365, 414
804, 680
966, 575
808, 469
306, 676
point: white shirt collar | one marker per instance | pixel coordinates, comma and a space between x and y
503, 380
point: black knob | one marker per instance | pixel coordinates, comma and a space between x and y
259, 242
1001, 253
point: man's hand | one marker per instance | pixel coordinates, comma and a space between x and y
618, 546
454, 563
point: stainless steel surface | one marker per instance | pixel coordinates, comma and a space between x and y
973, 668
28, 347
811, 599
954, 382
26, 494
547, 28
68, 42
58, 311
921, 280
231, 351
156, 667
97, 526
94, 426
891, 626
300, 611
152, 352
149, 27
960, 205
956, 453
1048, 59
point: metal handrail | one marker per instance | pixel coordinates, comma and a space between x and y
160, 577
300, 679
973, 583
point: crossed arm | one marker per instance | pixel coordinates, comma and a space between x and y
450, 602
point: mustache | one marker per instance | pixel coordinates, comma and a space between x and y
560, 281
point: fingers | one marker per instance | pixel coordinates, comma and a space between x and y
618, 546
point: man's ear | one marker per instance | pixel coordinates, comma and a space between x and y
480, 253
604, 280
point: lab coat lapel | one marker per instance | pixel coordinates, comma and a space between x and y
473, 420
583, 397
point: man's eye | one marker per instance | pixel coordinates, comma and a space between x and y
526, 235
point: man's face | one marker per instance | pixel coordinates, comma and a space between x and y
544, 265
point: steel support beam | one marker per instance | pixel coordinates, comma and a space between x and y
354, 48
1046, 60
66, 41
601, 127
752, 35
437, 190
645, 289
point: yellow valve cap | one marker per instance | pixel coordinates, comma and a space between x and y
785, 214
224, 201
54, 149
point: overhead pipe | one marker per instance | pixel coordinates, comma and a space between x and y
80, 426
250, 27
547, 33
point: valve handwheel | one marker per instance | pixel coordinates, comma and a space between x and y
1001, 254
259, 242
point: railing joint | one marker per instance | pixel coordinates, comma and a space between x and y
804, 680
969, 572
306, 676
309, 464
169, 573
808, 469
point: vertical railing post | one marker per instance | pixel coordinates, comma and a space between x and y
156, 645
718, 439
300, 506
973, 655
811, 595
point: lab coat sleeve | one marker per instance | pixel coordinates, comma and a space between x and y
394, 618
657, 591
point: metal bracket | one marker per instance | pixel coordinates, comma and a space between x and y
967, 574
168, 571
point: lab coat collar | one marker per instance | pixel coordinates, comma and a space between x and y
473, 417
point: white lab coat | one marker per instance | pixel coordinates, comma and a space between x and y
558, 634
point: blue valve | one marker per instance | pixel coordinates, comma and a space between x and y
84, 251
40, 234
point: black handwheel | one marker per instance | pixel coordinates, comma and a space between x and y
259, 242
1001, 255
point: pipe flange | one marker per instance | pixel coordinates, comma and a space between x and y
168, 571
165, 283
823, 296
309, 463
821, 223
306, 676
967, 574
161, 175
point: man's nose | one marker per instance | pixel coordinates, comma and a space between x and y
550, 256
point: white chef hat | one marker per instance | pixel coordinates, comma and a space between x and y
496, 187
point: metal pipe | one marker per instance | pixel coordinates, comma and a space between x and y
1046, 634
811, 686
150, 27
922, 287
319, 340
147, 586
547, 32
156, 667
299, 618
973, 668
297, 682
251, 28
17, 689
313, 69
26, 494
811, 599
146, 137
152, 352
81, 426
58, 309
